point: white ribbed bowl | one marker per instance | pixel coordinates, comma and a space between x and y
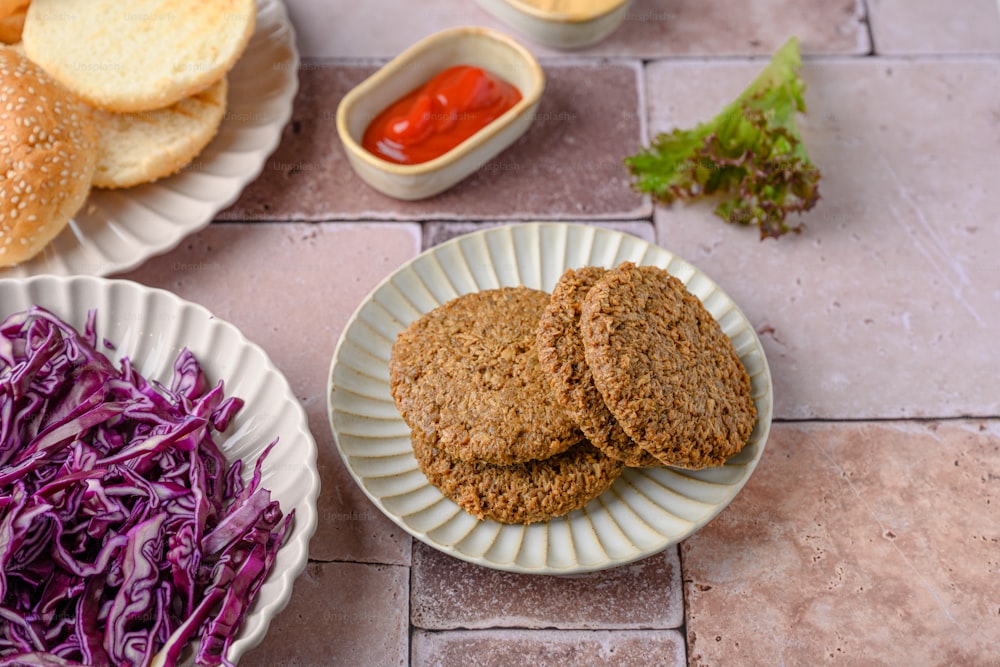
645, 510
117, 230
151, 327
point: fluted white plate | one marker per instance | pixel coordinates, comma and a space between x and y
151, 327
644, 511
117, 230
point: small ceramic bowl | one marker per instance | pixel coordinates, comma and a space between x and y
480, 47
561, 30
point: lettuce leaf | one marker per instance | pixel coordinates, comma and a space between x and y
751, 154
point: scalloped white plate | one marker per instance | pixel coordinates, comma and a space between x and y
151, 327
117, 230
645, 510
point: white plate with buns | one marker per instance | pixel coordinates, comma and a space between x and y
646, 509
118, 229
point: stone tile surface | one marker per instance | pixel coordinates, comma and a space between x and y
932, 27
572, 648
340, 614
896, 267
855, 544
447, 593
652, 28
869, 532
290, 288
567, 165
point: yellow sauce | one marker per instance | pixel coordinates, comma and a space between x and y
575, 8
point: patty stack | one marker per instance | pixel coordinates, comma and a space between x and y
145, 78
523, 406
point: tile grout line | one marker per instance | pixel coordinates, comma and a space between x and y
872, 51
684, 605
708, 58
883, 420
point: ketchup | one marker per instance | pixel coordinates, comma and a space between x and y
431, 120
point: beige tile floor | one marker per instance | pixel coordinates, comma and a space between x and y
870, 532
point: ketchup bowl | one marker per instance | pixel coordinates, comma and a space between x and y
492, 62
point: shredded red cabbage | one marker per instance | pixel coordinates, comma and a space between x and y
124, 533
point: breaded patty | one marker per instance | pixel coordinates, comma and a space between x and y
519, 493
467, 375
667, 372
560, 351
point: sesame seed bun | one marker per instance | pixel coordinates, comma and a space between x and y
47, 155
137, 55
136, 148
12, 14
8, 7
